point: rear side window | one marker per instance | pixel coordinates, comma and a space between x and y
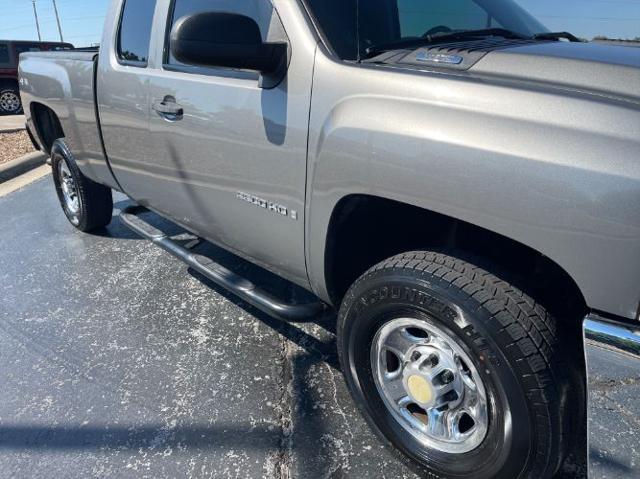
4, 54
135, 31
26, 48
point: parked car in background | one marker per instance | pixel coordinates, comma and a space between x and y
10, 51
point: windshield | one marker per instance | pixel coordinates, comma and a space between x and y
352, 26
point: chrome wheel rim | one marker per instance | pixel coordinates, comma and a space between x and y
69, 189
430, 385
9, 101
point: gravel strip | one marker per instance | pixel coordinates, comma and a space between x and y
14, 145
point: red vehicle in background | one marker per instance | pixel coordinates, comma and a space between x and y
10, 51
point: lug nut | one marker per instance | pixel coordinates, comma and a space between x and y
447, 377
429, 362
434, 360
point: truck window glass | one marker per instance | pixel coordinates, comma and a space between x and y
260, 10
337, 20
375, 22
135, 31
26, 48
4, 54
419, 16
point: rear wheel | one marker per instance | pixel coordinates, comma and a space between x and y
457, 369
87, 205
10, 101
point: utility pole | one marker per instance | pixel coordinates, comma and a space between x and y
55, 9
35, 14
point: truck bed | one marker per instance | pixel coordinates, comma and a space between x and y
64, 82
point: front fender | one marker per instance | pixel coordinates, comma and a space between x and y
556, 170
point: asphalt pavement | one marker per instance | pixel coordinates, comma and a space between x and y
615, 388
116, 360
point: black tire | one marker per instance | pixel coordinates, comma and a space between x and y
95, 202
509, 337
10, 101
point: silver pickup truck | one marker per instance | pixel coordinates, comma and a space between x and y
460, 184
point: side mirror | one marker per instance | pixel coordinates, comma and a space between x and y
228, 40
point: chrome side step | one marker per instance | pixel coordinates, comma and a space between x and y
220, 275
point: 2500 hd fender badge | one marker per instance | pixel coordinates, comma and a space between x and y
267, 205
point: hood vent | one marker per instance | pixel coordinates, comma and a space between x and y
457, 55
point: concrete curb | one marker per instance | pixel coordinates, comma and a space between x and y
12, 130
21, 181
15, 168
12, 123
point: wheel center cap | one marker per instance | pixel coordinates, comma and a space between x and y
420, 389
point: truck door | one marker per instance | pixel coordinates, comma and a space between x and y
229, 157
123, 93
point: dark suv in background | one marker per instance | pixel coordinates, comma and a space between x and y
10, 51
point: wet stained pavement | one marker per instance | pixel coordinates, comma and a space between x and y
116, 360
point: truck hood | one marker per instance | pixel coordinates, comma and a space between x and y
598, 68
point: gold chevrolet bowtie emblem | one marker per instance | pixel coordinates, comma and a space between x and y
420, 389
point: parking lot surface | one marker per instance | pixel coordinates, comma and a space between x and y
117, 361
615, 389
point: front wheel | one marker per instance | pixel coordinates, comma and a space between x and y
457, 369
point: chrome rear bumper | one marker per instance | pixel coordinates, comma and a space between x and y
613, 380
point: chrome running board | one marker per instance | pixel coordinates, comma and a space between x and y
220, 275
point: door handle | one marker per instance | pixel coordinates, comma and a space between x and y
168, 109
